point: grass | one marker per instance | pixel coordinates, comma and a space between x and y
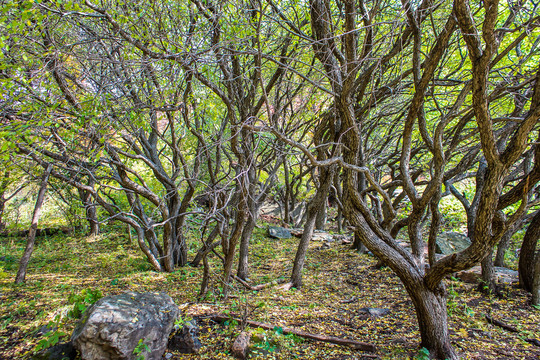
65, 265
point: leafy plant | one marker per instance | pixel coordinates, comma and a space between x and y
82, 301
181, 321
423, 354
140, 350
53, 337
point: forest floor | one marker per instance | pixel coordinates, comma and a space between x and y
338, 283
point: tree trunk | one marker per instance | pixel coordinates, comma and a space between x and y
433, 321
230, 248
90, 210
309, 227
23, 265
358, 245
487, 284
503, 246
243, 266
208, 245
320, 220
536, 282
311, 217
527, 253
2, 207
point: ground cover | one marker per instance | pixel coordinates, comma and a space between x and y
338, 284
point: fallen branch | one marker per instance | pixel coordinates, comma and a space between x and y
501, 324
260, 286
357, 345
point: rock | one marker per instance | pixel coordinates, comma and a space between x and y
186, 339
322, 236
502, 275
240, 347
471, 277
324, 246
451, 242
376, 312
270, 209
116, 325
297, 232
61, 351
506, 276
278, 232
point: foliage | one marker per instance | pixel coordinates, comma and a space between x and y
140, 350
82, 301
52, 337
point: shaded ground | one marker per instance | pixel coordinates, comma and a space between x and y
338, 284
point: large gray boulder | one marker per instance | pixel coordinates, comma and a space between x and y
451, 242
278, 232
114, 326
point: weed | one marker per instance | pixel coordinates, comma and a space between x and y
140, 350
82, 301
423, 354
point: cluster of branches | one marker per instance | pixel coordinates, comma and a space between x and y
146, 109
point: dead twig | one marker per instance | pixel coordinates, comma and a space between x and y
501, 324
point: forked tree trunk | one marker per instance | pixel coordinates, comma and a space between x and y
230, 249
432, 320
23, 265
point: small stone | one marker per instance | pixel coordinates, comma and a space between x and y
240, 347
168, 356
376, 312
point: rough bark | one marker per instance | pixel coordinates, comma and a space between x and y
91, 212
536, 282
526, 265
487, 283
30, 243
433, 321
243, 255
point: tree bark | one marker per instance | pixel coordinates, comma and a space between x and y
487, 284
433, 321
527, 254
309, 227
320, 220
90, 210
25, 259
536, 282
243, 265
358, 245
